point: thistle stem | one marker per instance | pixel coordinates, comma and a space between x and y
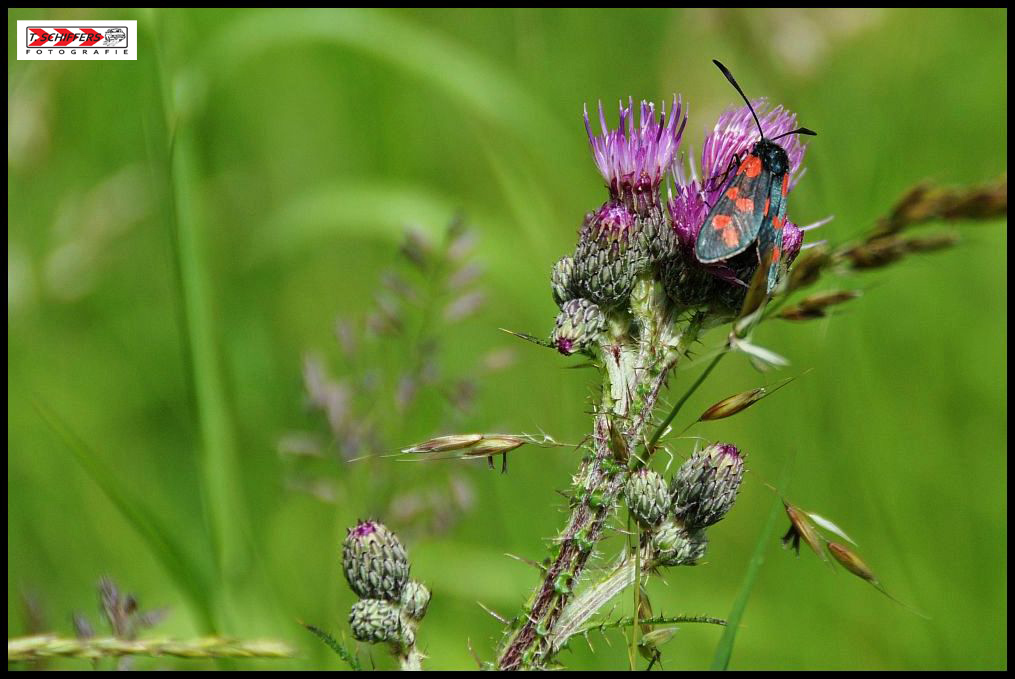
410, 660
598, 484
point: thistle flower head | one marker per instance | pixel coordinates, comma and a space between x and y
735, 133
375, 563
614, 246
647, 497
415, 600
374, 621
633, 159
676, 545
611, 224
560, 280
578, 325
706, 486
687, 212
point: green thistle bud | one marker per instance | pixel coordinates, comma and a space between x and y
560, 280
376, 622
647, 497
706, 486
687, 286
375, 562
578, 325
614, 246
675, 545
415, 600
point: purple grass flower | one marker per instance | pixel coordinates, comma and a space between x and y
634, 159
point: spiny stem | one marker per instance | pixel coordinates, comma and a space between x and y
534, 642
410, 660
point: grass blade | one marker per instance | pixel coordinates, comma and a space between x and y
724, 650
165, 546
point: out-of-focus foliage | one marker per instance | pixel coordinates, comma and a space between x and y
307, 142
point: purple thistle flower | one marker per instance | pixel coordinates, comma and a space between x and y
735, 133
612, 222
634, 159
363, 529
687, 212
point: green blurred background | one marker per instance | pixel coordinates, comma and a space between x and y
160, 304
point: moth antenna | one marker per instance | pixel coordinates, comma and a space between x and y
733, 81
799, 130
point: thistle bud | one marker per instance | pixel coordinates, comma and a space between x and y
415, 600
687, 285
706, 486
647, 497
613, 248
578, 325
375, 562
560, 280
676, 545
375, 622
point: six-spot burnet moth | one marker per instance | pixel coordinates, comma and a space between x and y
753, 206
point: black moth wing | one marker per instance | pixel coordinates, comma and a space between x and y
735, 220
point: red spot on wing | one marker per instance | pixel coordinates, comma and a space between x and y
751, 167
724, 225
745, 205
768, 204
785, 185
776, 254
732, 193
777, 223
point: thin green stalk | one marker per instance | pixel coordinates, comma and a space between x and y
683, 399
637, 597
724, 649
219, 477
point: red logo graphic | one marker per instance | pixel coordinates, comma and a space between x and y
77, 37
